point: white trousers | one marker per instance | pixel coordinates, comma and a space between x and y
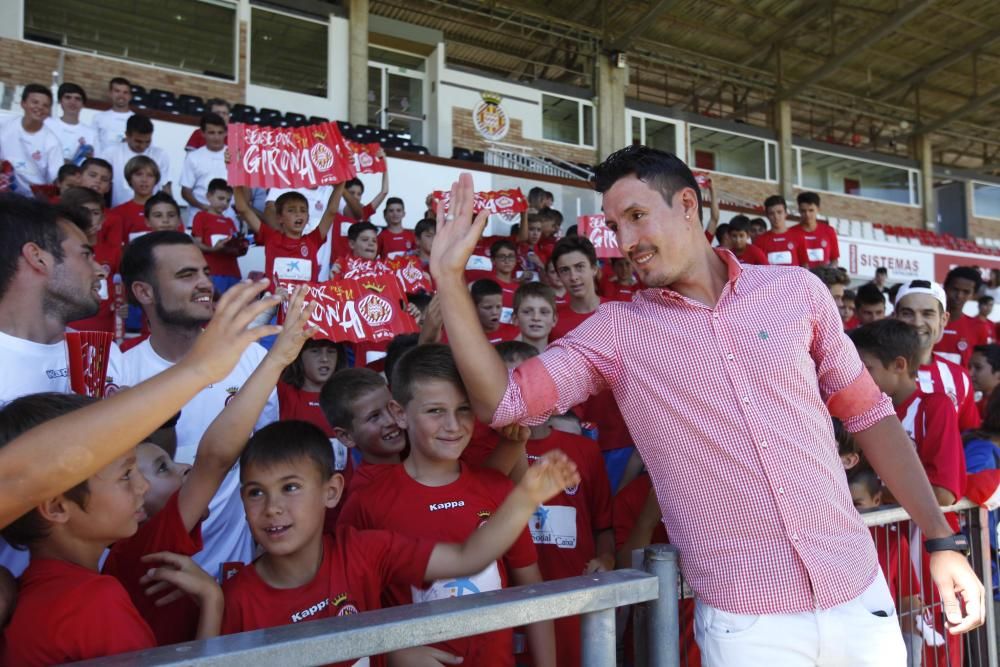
849, 635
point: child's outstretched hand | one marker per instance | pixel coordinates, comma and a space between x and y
553, 473
178, 575
515, 433
297, 328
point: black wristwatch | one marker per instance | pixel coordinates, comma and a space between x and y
956, 542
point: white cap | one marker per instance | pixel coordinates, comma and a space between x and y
922, 287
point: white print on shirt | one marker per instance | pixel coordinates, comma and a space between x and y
487, 580
103, 291
293, 268
816, 254
310, 611
554, 524
434, 507
215, 238
506, 315
780, 257
339, 454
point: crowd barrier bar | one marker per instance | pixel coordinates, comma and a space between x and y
594, 597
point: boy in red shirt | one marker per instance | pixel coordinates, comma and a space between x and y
869, 304
66, 611
127, 221
961, 332
212, 232
551, 224
503, 254
921, 304
535, 314
572, 532
354, 211
780, 245
288, 483
739, 242
394, 241
622, 284
425, 232
432, 494
818, 239
362, 244
287, 253
489, 297
576, 262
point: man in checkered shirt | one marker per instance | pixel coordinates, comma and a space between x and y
727, 376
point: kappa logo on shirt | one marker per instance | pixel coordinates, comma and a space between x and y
434, 507
57, 373
310, 611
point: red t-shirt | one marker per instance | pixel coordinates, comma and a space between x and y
130, 220
357, 566
178, 621
612, 290
563, 528
988, 329
210, 228
958, 339
109, 255
508, 286
783, 249
449, 513
290, 259
751, 255
950, 379
295, 403
67, 613
894, 558
821, 246
482, 443
341, 223
568, 319
602, 410
396, 244
196, 140
931, 422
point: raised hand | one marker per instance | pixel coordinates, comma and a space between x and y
549, 476
457, 231
297, 328
178, 575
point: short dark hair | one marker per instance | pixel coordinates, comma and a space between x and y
399, 346
722, 231
483, 288
991, 353
845, 441
159, 198
295, 374
866, 478
534, 290
570, 244
868, 295
881, 271
217, 102
514, 350
211, 118
69, 89
287, 198
985, 299
759, 222
887, 340
76, 198
775, 200
288, 441
138, 124
807, 198
965, 273
394, 200
355, 230
121, 81
350, 183
67, 170
138, 262
96, 162
499, 245
24, 220
831, 275
739, 223
19, 416
424, 226
337, 396
35, 88
420, 364
665, 172
217, 184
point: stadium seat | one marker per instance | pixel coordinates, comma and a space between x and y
242, 113
295, 119
458, 153
137, 90
316, 120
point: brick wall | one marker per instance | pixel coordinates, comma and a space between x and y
464, 135
981, 227
27, 62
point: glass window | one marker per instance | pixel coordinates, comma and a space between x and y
288, 53
375, 96
986, 200
636, 130
397, 59
187, 35
841, 175
660, 135
405, 106
729, 153
563, 120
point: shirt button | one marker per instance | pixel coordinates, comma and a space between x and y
715, 316
763, 444
746, 399
781, 490
730, 356
795, 537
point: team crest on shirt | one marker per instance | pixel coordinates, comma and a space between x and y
304, 251
484, 516
962, 345
790, 245
823, 243
232, 393
344, 606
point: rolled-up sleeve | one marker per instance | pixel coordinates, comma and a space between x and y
850, 393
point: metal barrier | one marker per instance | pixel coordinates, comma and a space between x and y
594, 597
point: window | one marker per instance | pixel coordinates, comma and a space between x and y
654, 133
730, 153
288, 52
985, 200
187, 35
857, 178
568, 121
396, 93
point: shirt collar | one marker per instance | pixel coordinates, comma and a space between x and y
733, 268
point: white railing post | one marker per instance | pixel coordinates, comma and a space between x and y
663, 627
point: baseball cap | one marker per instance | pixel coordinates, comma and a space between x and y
922, 287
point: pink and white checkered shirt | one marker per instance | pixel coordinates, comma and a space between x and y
730, 409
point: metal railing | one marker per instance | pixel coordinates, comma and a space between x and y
595, 598
519, 159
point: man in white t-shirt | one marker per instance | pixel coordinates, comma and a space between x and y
138, 141
317, 199
76, 138
168, 277
110, 123
204, 164
48, 277
28, 145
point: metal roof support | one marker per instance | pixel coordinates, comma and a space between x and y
941, 63
786, 153
924, 150
971, 106
357, 83
642, 24
857, 47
